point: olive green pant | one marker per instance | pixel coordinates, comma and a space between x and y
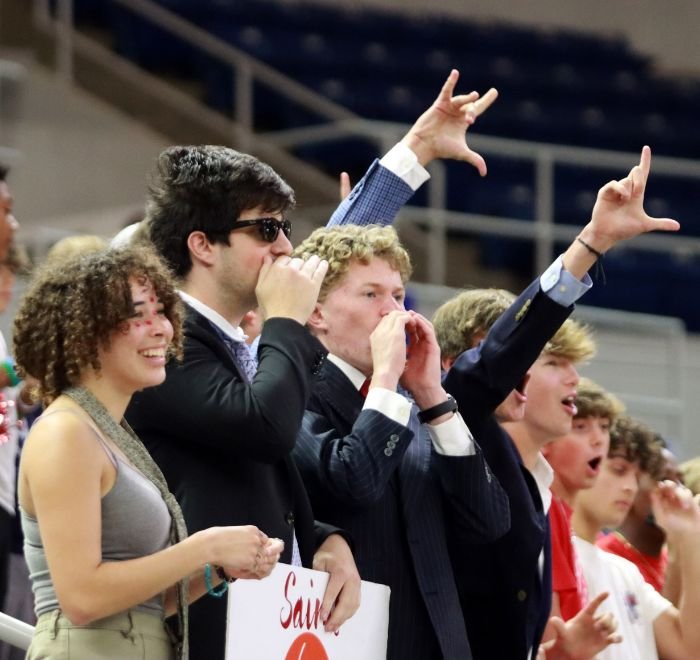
125, 636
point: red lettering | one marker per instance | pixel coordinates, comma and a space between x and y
293, 579
300, 612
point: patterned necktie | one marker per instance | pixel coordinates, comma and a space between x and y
245, 359
248, 362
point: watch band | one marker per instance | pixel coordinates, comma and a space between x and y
428, 415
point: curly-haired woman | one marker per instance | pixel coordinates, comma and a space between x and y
105, 541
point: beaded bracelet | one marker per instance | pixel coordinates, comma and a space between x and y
217, 592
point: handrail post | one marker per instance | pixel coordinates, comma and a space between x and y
64, 40
544, 212
437, 235
243, 104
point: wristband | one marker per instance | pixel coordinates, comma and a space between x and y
8, 366
598, 254
599, 257
217, 592
425, 416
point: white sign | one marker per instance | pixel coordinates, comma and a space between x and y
278, 618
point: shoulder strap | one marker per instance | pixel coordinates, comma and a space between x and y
108, 450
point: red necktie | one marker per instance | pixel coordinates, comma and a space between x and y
365, 387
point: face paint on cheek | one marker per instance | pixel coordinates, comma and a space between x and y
149, 322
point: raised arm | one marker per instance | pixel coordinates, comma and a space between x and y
440, 132
618, 215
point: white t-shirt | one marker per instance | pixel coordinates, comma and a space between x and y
634, 603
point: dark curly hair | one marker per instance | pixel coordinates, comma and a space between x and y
636, 442
72, 309
206, 188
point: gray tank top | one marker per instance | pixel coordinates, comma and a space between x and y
135, 523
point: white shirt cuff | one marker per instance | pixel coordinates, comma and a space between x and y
392, 404
561, 286
452, 437
402, 162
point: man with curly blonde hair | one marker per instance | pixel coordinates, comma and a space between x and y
401, 481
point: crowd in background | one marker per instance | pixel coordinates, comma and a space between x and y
206, 400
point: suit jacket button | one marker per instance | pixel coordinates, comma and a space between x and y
289, 518
394, 438
388, 451
522, 595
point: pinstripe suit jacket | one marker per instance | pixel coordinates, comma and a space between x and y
384, 484
506, 605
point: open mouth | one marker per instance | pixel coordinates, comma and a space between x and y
594, 463
570, 405
158, 353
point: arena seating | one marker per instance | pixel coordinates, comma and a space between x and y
556, 86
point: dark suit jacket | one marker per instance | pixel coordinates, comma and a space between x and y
505, 604
384, 483
224, 446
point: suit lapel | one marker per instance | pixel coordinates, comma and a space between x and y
335, 391
199, 326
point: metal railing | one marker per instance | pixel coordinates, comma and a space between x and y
15, 632
339, 122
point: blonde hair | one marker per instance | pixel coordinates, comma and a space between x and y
593, 401
72, 246
691, 474
343, 245
573, 341
459, 322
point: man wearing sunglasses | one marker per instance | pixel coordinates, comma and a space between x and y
223, 424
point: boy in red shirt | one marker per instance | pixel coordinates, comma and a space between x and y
575, 459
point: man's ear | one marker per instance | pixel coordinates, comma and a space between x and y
317, 322
201, 249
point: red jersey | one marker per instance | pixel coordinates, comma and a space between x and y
653, 569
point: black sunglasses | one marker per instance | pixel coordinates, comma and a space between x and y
268, 228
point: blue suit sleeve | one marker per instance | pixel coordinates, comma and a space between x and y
376, 199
